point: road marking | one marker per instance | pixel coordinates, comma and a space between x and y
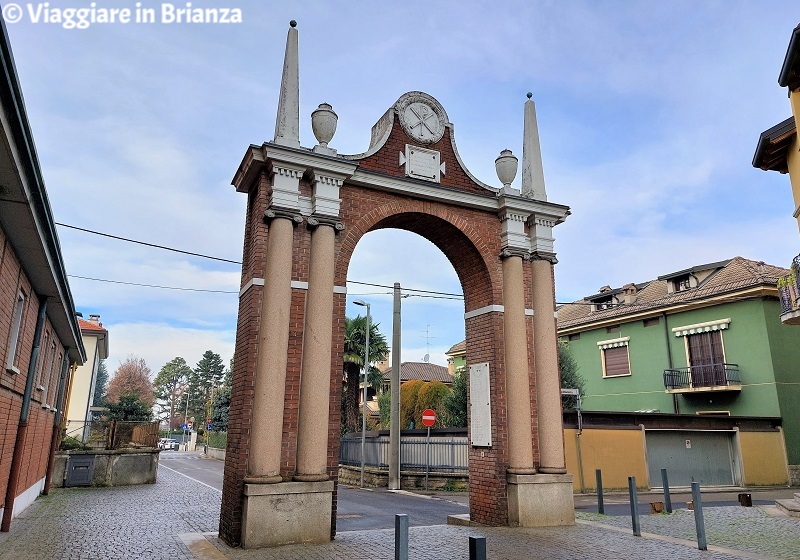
190, 478
199, 546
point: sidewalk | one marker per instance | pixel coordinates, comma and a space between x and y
175, 518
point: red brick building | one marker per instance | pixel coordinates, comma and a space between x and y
39, 334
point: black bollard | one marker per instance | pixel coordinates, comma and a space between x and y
698, 517
637, 530
401, 536
600, 507
477, 548
665, 483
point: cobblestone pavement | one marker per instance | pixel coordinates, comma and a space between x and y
746, 529
153, 522
126, 522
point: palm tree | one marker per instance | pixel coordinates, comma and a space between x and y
355, 334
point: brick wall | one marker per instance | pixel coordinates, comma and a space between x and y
36, 447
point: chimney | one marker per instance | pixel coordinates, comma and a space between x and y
94, 318
629, 293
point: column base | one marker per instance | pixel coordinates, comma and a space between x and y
540, 500
286, 513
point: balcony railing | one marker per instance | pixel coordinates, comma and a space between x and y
711, 377
789, 292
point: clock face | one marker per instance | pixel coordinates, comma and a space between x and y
422, 123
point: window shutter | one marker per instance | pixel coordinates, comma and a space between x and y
616, 361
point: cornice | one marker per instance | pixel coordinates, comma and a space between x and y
429, 191
757, 291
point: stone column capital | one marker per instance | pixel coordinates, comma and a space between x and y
508, 252
543, 256
273, 213
314, 222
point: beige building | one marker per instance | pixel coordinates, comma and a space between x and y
779, 150
81, 391
778, 147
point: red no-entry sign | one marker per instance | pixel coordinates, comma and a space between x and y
429, 417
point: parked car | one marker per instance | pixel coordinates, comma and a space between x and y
171, 444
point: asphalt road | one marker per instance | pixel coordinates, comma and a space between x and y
374, 508
359, 509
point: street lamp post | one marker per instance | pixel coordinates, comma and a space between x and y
366, 369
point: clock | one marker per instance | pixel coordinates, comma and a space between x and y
422, 118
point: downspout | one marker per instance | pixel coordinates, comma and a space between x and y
675, 405
54, 441
22, 429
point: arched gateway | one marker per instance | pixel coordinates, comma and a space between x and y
306, 211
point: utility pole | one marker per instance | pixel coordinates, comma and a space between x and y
394, 422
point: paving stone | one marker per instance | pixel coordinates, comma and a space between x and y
144, 522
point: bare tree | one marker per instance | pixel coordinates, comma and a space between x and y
132, 376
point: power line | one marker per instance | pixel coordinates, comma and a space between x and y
165, 248
151, 285
406, 289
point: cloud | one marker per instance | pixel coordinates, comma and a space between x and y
158, 343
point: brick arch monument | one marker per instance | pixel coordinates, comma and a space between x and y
307, 208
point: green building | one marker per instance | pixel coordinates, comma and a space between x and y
707, 340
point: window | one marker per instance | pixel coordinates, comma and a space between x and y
614, 357
41, 360
682, 283
16, 326
615, 362
706, 359
651, 322
51, 358
604, 303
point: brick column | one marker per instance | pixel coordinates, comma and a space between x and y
548, 384
312, 427
518, 399
270, 379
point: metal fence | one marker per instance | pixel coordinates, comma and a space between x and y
447, 454
710, 375
113, 434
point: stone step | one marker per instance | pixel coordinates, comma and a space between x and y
792, 507
797, 496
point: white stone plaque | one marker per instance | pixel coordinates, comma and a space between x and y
422, 163
480, 406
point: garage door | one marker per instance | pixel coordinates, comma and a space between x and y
704, 457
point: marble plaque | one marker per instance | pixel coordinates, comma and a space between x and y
422, 163
480, 406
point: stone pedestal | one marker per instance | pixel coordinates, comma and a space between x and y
286, 513
540, 500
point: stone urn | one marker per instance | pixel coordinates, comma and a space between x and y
323, 122
506, 167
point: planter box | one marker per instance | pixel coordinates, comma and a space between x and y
118, 467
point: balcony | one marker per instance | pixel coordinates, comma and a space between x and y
703, 379
789, 292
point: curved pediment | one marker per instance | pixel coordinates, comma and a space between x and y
415, 138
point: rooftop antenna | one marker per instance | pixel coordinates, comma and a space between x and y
428, 338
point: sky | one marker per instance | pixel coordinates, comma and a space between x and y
648, 114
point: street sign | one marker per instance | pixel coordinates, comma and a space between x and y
189, 425
208, 426
429, 418
570, 392
184, 426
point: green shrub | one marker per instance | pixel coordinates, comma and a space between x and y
71, 443
218, 440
